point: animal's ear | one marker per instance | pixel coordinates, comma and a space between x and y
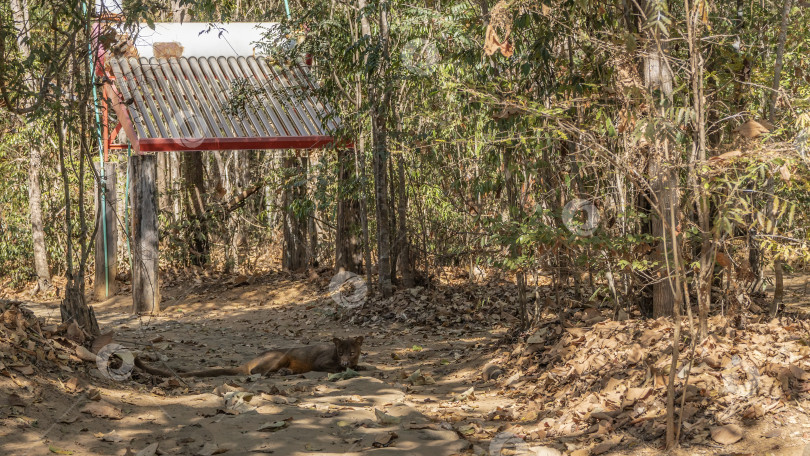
336, 341
359, 340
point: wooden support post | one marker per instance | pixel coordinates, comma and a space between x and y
143, 201
104, 285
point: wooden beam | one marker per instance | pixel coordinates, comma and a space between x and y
145, 281
104, 285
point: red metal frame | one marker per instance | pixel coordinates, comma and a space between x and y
111, 93
195, 144
110, 137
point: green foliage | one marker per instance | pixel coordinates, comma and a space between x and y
495, 146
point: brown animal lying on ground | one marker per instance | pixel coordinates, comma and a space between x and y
335, 357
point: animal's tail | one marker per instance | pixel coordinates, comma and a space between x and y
215, 372
153, 370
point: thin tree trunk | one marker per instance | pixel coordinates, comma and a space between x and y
218, 173
379, 159
676, 285
174, 172
777, 76
294, 226
19, 11
194, 191
163, 179
73, 307
707, 248
347, 257
379, 108
780, 54
392, 223
37, 228
664, 184
404, 260
360, 162
514, 213
665, 188
360, 159
271, 195
779, 286
312, 223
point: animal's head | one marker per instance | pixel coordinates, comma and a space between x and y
348, 350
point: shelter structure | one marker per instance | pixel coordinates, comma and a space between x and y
184, 104
187, 103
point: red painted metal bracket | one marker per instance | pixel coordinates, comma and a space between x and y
120, 109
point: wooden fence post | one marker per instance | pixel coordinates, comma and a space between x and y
143, 201
104, 284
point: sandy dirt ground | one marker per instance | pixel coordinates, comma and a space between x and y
213, 322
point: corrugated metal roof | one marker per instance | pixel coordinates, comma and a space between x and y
184, 100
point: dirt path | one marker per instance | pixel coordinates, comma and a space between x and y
208, 324
391, 408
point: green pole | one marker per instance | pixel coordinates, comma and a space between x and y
126, 205
102, 178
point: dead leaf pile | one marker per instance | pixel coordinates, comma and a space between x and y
593, 379
25, 342
465, 306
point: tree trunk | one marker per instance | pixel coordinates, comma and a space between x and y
37, 228
310, 165
360, 162
163, 179
19, 11
779, 286
379, 159
175, 174
664, 180
347, 254
294, 225
708, 247
515, 214
360, 157
380, 101
777, 76
381, 156
665, 186
73, 308
405, 266
179, 10
194, 191
393, 228
273, 198
780, 54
